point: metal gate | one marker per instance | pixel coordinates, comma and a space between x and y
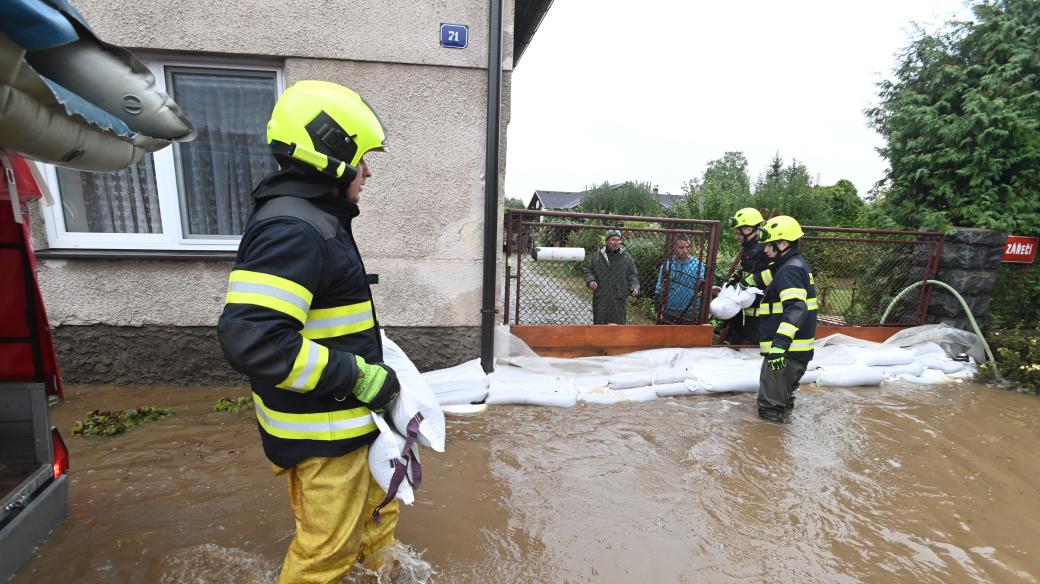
857, 271
540, 291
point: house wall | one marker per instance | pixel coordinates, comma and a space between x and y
421, 225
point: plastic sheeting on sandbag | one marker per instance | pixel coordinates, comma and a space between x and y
850, 376
385, 457
415, 397
926, 348
465, 383
882, 355
558, 395
953, 340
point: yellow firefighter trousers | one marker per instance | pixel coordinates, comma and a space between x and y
332, 500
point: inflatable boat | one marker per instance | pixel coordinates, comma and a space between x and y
68, 98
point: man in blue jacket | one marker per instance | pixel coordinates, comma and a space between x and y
679, 280
300, 323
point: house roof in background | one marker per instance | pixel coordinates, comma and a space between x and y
565, 200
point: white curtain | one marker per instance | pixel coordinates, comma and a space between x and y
111, 202
219, 169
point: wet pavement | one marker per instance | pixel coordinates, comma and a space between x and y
889, 484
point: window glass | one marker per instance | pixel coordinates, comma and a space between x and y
111, 202
218, 170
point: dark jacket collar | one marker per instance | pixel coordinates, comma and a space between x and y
321, 190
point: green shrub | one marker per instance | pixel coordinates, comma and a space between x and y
108, 423
1018, 358
1016, 298
233, 405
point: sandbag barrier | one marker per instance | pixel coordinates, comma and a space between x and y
930, 354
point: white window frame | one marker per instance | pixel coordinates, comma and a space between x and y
173, 237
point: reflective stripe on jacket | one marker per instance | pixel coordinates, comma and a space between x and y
788, 309
298, 310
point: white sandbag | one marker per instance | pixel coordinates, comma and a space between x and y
605, 395
559, 395
833, 355
638, 394
882, 355
415, 398
385, 456
914, 368
601, 395
723, 308
928, 377
676, 375
741, 378
465, 395
688, 387
942, 363
810, 376
850, 376
465, 383
635, 379
467, 372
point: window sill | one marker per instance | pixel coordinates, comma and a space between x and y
134, 254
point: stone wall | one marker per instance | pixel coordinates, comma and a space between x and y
191, 355
970, 261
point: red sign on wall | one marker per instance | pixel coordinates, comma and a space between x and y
1020, 250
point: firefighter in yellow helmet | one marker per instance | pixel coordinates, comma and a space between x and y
300, 323
787, 319
753, 271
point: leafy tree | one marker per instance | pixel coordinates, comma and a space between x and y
723, 188
514, 203
961, 122
629, 198
843, 206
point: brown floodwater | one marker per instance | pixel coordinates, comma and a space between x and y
890, 484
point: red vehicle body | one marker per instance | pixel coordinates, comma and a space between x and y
33, 457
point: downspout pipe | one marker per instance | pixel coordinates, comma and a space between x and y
491, 179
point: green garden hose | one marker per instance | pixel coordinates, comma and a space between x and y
964, 305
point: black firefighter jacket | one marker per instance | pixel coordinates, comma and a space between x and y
298, 309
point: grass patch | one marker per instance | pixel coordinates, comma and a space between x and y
233, 405
109, 423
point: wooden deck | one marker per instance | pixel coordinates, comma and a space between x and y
595, 340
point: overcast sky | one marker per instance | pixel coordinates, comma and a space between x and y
613, 90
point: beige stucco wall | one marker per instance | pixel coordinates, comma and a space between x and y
391, 31
421, 226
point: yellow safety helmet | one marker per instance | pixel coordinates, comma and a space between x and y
746, 217
326, 126
779, 228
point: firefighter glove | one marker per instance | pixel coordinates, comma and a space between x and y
776, 360
375, 384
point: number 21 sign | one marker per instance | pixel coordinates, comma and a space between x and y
454, 36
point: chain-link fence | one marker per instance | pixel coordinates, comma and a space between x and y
857, 272
549, 254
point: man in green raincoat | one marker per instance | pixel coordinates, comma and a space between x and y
612, 277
